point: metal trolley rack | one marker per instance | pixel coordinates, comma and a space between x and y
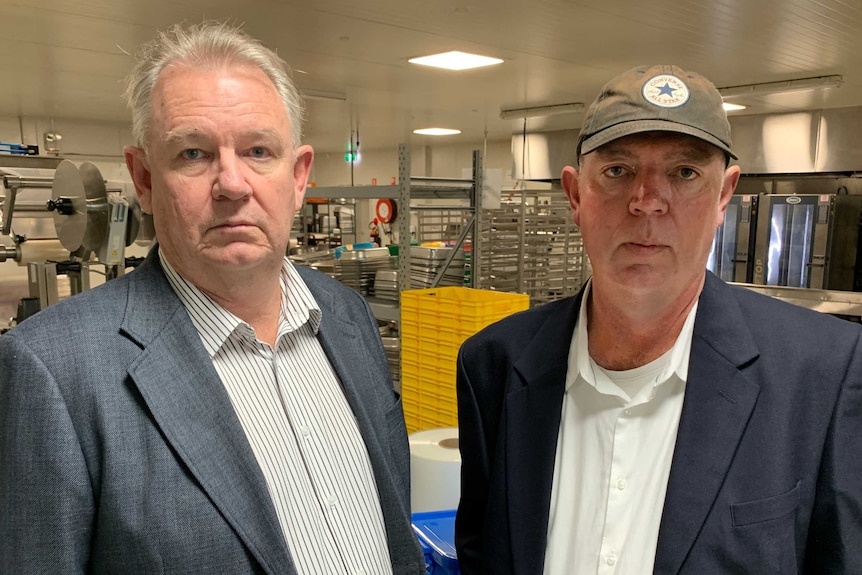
532, 246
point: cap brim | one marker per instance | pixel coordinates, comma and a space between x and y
639, 126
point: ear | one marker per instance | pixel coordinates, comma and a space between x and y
728, 186
570, 184
139, 169
301, 173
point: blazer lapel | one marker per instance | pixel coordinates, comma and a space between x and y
719, 399
346, 350
343, 345
532, 423
188, 402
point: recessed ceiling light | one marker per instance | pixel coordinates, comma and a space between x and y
784, 87
436, 131
728, 107
455, 61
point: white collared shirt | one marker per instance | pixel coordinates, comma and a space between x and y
614, 452
300, 428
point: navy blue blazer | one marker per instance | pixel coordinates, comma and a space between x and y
120, 451
766, 475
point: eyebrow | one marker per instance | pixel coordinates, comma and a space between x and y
183, 135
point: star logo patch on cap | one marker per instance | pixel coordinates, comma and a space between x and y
665, 91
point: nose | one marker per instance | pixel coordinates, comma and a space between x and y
649, 196
231, 182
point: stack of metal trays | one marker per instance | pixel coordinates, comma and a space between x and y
314, 257
386, 285
358, 267
392, 347
425, 264
329, 266
306, 255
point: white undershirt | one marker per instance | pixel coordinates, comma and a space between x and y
301, 429
614, 452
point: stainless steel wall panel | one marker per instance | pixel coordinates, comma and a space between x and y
810, 142
542, 156
839, 146
776, 144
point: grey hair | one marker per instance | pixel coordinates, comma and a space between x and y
208, 45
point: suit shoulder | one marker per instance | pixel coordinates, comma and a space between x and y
315, 279
79, 313
318, 282
525, 325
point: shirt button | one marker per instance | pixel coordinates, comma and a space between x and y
305, 431
622, 484
611, 560
331, 500
628, 412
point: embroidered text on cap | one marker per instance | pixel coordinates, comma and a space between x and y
665, 91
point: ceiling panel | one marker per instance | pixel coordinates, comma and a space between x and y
67, 58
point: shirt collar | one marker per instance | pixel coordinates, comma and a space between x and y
298, 305
215, 324
579, 355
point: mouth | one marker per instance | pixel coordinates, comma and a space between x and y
643, 248
234, 225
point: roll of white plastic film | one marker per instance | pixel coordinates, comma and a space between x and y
435, 469
42, 251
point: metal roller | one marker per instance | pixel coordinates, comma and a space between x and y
69, 204
140, 230
80, 205
133, 226
97, 206
147, 233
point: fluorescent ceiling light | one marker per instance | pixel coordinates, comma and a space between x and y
436, 131
455, 61
322, 95
815, 83
539, 111
728, 107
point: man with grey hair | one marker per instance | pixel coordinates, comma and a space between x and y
217, 410
660, 421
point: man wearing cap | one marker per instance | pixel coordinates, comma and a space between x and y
672, 423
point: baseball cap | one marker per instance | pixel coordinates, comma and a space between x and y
656, 98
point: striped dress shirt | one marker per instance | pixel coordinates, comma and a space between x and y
301, 429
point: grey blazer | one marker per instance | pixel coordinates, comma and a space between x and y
120, 451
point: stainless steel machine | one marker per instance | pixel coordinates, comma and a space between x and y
92, 225
732, 254
809, 241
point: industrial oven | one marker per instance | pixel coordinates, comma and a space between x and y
809, 241
732, 255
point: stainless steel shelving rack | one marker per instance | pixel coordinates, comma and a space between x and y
532, 246
464, 195
453, 189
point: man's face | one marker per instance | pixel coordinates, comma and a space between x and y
648, 206
221, 178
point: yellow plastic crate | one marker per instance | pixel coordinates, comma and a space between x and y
434, 324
